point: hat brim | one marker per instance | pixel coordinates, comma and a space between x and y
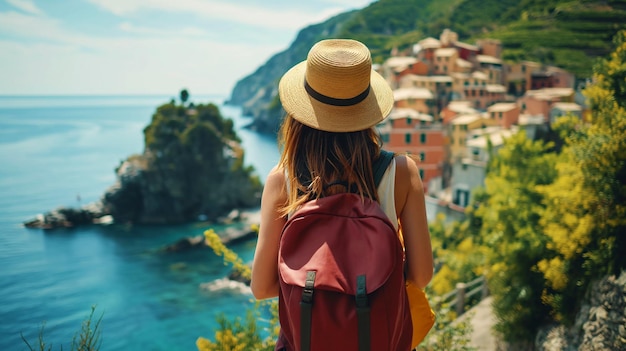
315, 114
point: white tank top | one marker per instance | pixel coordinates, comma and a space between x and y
386, 193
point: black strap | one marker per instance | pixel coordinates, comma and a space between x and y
334, 101
306, 305
362, 314
380, 165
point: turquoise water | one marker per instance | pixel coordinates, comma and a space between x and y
62, 151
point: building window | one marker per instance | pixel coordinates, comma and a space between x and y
423, 138
461, 197
407, 138
422, 156
408, 121
385, 137
421, 173
500, 115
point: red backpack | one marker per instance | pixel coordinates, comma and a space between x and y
341, 273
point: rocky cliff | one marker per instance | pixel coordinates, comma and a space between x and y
192, 168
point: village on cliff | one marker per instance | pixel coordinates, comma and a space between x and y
456, 103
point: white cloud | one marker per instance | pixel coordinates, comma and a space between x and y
30, 26
185, 31
26, 6
148, 60
62, 61
127, 66
285, 18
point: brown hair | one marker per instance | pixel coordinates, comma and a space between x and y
315, 160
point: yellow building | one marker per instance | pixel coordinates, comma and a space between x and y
459, 129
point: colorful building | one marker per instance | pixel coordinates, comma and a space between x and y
505, 113
409, 131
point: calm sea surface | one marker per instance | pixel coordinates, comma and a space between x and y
62, 151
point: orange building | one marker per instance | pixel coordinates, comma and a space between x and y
409, 131
540, 102
490, 47
505, 113
518, 77
445, 60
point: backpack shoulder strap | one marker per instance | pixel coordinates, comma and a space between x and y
380, 165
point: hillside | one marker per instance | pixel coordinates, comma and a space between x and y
567, 34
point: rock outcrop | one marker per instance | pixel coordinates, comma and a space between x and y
192, 168
600, 323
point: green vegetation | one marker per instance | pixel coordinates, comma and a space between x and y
236, 334
87, 339
189, 150
568, 34
550, 220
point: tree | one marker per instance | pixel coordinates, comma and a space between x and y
184, 95
509, 214
585, 215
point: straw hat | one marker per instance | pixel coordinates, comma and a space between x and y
335, 89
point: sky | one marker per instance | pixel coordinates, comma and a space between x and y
118, 47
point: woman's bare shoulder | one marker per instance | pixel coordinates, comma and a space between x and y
406, 169
275, 183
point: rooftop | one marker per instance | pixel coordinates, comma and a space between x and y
445, 52
400, 113
488, 59
526, 120
412, 93
479, 75
400, 61
550, 93
419, 78
567, 106
466, 46
429, 43
466, 119
463, 63
502, 107
496, 139
462, 107
496, 88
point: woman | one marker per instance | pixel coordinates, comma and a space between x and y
328, 139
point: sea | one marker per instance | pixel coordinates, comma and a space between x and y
62, 151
